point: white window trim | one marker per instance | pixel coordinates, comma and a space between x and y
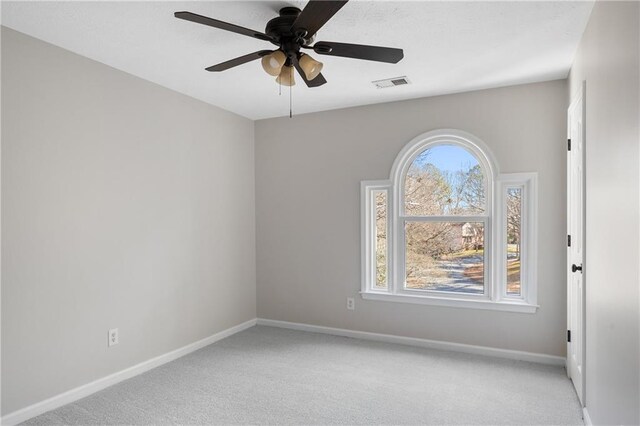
368, 232
495, 296
528, 182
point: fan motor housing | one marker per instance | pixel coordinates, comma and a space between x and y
283, 33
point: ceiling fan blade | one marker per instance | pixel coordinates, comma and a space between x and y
359, 51
199, 19
316, 13
238, 61
318, 81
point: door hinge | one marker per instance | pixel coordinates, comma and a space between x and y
568, 240
569, 144
569, 336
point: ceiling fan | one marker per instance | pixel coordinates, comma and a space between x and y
292, 31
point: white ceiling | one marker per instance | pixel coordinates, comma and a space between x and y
448, 46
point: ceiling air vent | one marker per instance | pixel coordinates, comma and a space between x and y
391, 82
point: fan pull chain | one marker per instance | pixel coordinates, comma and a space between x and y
290, 100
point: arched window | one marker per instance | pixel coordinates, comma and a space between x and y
445, 219
435, 233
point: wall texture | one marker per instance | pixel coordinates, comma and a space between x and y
124, 205
608, 60
308, 172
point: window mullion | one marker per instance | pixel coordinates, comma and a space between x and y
458, 219
400, 261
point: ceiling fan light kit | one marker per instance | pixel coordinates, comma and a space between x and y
291, 31
286, 76
273, 62
310, 66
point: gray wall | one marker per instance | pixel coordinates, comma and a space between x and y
608, 59
308, 171
125, 205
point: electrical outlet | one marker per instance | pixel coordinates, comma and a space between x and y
351, 303
113, 337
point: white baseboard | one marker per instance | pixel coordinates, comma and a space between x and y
97, 385
585, 417
423, 343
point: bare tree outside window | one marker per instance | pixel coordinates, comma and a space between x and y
381, 239
445, 255
514, 233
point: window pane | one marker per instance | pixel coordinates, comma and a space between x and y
381, 239
445, 256
514, 238
444, 180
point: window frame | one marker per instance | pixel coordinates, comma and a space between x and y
368, 229
528, 183
494, 217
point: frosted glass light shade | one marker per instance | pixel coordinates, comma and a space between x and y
310, 66
272, 63
286, 77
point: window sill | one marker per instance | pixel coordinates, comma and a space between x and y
505, 306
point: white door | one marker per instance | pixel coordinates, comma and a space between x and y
575, 243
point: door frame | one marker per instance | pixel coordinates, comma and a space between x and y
579, 97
